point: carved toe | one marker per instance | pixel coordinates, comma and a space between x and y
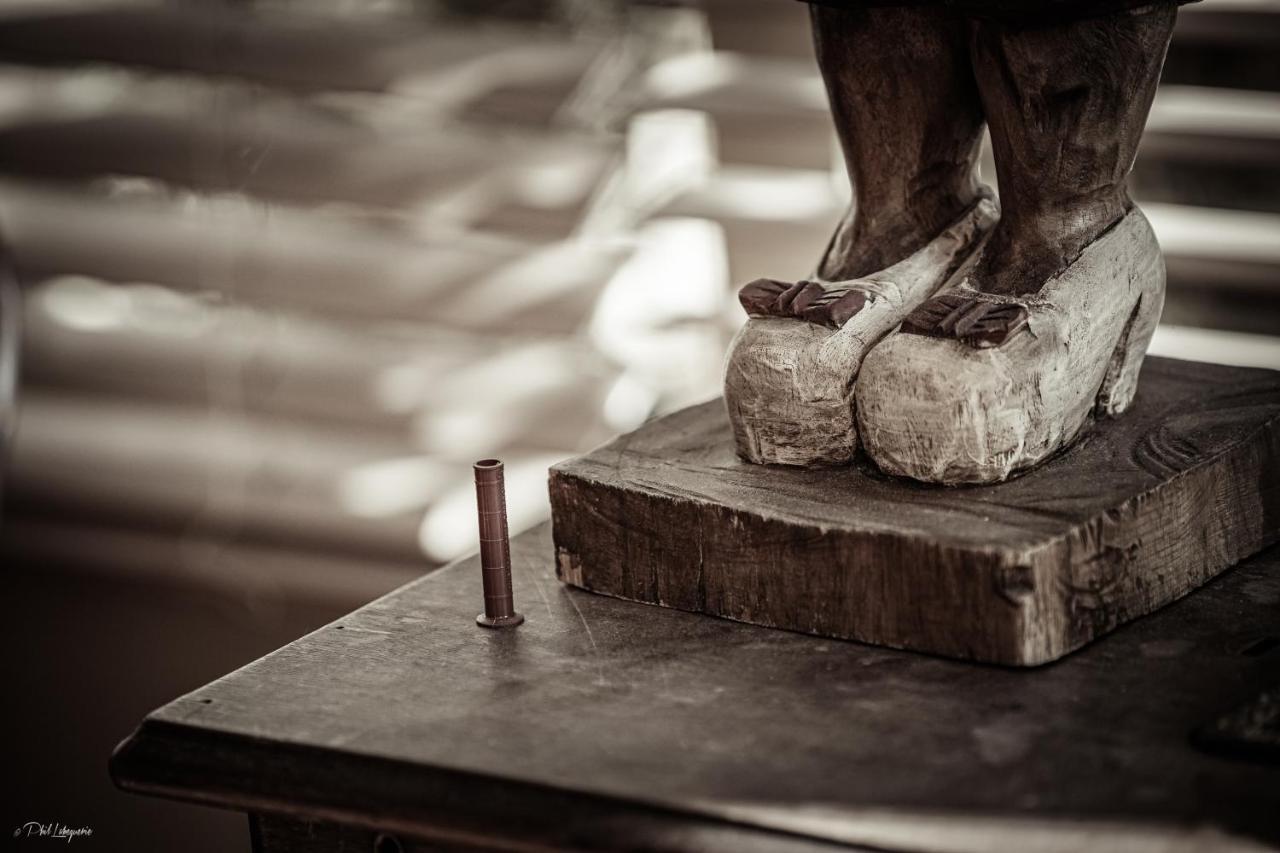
798, 298
836, 306
759, 298
825, 305
960, 316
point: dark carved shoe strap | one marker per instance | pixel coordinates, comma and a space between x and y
797, 298
803, 300
962, 317
760, 297
836, 307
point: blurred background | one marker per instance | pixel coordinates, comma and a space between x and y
284, 269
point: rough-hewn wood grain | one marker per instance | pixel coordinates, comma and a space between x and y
602, 724
950, 400
578, 830
1066, 103
909, 119
790, 375
1141, 511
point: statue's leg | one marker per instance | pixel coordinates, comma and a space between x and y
909, 119
1066, 105
1051, 326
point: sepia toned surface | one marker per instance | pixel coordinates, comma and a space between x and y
1141, 511
1065, 105
604, 724
937, 404
789, 384
271, 250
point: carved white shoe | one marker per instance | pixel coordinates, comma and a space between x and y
790, 371
976, 386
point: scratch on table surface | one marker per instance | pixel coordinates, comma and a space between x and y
196, 708
526, 565
600, 680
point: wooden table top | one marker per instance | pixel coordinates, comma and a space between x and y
604, 724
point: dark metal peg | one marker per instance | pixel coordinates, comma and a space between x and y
495, 547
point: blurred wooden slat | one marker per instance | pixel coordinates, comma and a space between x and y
1226, 43
1238, 23
763, 27
225, 565
1218, 347
229, 138
394, 379
1223, 268
1218, 236
290, 259
223, 472
307, 53
210, 154
1212, 148
214, 469
723, 82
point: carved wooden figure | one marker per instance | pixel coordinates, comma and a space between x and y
959, 344
956, 344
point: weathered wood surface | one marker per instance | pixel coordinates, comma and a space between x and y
1138, 513
909, 119
271, 834
1070, 260
976, 387
789, 383
602, 724
1065, 105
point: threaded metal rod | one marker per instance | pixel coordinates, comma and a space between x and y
495, 547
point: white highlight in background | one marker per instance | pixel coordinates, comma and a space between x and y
450, 529
1235, 348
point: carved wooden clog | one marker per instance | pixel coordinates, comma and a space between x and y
790, 372
976, 386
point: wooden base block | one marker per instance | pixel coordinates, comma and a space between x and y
1138, 513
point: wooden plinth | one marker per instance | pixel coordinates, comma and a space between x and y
1140, 512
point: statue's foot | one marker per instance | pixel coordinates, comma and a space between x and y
978, 385
790, 373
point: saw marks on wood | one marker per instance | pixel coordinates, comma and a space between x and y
1138, 513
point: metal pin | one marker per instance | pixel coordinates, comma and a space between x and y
495, 547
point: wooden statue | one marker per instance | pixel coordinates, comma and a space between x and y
955, 343
959, 342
